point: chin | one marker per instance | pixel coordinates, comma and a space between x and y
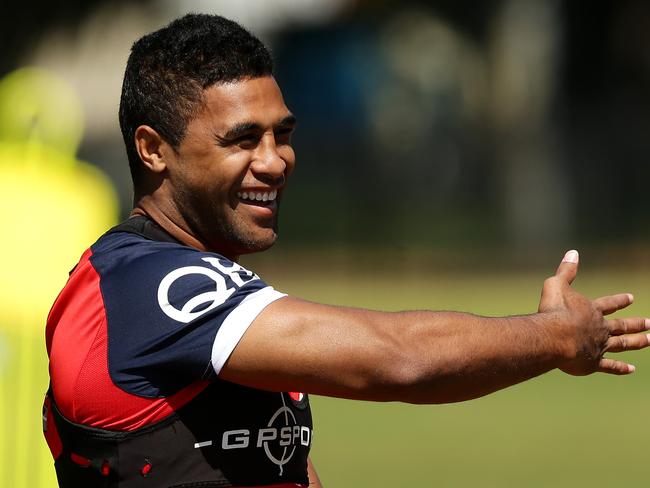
257, 243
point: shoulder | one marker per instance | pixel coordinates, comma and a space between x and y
117, 251
178, 278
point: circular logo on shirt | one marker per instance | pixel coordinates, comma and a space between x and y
285, 433
196, 306
281, 450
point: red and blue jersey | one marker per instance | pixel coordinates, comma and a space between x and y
136, 340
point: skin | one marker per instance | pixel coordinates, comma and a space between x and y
417, 357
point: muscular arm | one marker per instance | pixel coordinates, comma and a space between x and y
429, 357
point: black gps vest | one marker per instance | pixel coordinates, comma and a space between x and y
229, 435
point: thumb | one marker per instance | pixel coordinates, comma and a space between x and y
568, 268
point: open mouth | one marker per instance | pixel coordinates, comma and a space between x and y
262, 198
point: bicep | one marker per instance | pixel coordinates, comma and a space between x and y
295, 345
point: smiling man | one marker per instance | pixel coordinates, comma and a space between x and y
228, 172
171, 365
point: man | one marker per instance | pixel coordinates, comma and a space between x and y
171, 365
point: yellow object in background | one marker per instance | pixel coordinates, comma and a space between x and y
52, 207
37, 106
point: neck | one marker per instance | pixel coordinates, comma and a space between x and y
146, 206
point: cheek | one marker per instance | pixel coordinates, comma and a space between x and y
224, 176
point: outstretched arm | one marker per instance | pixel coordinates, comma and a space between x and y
431, 357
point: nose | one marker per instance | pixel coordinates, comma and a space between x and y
267, 164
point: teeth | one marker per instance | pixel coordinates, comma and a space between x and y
267, 196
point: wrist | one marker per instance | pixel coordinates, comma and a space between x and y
561, 335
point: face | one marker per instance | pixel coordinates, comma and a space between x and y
228, 174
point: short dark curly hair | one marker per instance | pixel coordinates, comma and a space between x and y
168, 70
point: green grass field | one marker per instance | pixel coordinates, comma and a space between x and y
555, 430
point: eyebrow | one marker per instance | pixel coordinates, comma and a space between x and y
288, 121
243, 128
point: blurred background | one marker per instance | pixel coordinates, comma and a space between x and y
449, 152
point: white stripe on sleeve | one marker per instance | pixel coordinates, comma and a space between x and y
233, 327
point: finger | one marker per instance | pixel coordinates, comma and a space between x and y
628, 326
627, 343
612, 303
610, 366
568, 268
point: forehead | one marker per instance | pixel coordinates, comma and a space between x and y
256, 100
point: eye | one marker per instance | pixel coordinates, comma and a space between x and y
247, 141
283, 135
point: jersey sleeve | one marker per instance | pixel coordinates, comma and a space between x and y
175, 316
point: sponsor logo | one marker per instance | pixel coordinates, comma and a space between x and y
279, 439
298, 399
213, 298
296, 396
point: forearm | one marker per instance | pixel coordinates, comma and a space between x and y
439, 357
449, 357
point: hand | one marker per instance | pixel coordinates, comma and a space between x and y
593, 335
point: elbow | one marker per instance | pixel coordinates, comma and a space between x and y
414, 375
398, 376
413, 381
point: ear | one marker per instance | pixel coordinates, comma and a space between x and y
151, 148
